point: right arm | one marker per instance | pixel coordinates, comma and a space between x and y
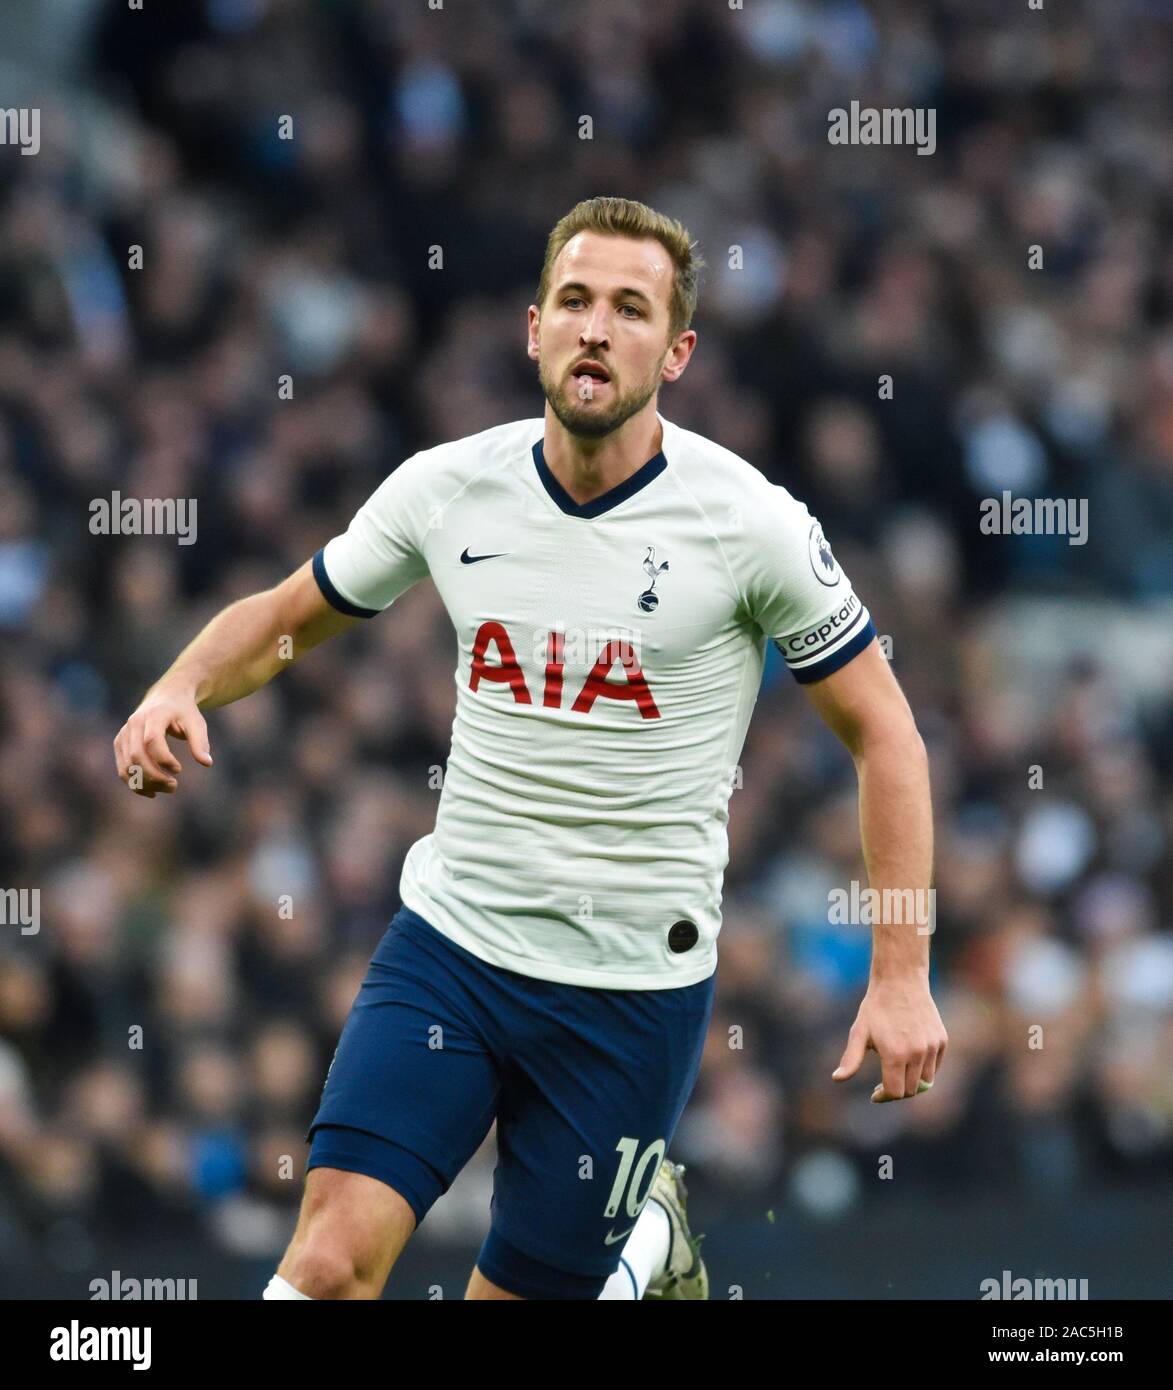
379, 557
238, 652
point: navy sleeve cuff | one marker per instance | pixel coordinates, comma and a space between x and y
333, 597
809, 674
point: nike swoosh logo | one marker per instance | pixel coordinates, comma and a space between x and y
610, 1238
467, 559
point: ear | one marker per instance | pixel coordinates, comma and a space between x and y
534, 330
678, 355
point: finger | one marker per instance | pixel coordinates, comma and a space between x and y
150, 786
892, 1077
152, 778
932, 1063
853, 1054
194, 729
123, 758
880, 1095
130, 770
912, 1075
155, 757
156, 745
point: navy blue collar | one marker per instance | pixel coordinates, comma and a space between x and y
642, 476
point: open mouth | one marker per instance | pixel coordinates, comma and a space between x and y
590, 375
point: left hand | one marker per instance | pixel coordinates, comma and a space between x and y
899, 1020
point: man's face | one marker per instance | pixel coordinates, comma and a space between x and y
601, 338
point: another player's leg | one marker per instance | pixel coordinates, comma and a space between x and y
351, 1230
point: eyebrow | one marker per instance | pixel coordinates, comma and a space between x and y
628, 291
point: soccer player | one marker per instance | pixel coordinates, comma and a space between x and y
613, 580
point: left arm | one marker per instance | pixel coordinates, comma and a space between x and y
863, 704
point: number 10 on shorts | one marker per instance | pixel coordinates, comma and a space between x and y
629, 1182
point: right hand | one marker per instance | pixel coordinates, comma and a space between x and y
142, 742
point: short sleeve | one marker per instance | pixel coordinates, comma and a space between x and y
796, 591
380, 554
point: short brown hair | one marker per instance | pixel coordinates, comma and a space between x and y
623, 217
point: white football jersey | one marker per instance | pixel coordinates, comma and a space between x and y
610, 654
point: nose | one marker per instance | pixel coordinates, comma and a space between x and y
594, 328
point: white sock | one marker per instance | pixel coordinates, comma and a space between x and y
644, 1256
281, 1288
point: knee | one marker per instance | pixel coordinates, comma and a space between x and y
349, 1234
322, 1265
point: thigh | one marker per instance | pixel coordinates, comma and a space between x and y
412, 1090
590, 1100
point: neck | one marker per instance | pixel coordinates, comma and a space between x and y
587, 468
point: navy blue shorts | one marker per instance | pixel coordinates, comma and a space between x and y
586, 1085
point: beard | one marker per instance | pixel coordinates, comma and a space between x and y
588, 419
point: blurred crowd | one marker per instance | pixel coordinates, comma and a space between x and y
165, 1033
